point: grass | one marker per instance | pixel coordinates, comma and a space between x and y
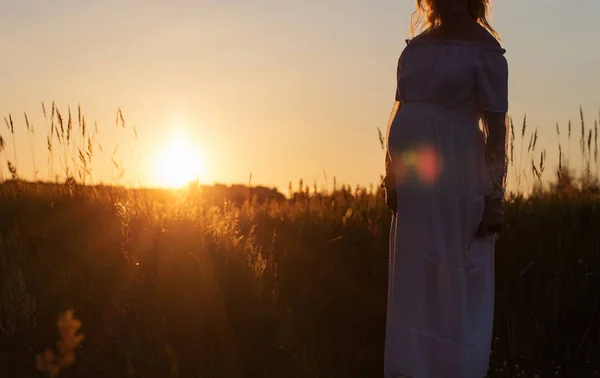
214, 283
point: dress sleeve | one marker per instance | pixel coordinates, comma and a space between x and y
492, 82
398, 71
492, 96
398, 74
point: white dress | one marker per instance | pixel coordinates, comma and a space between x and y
441, 276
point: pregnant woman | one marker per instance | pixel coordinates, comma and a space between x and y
445, 179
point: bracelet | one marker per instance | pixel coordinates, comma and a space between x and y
498, 211
494, 200
496, 195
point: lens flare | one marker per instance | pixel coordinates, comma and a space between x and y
424, 162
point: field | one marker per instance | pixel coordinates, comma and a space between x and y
244, 282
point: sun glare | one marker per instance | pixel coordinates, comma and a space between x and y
179, 163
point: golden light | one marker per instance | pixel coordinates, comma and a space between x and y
179, 163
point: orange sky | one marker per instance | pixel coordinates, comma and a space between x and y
280, 90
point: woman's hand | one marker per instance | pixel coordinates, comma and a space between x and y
493, 218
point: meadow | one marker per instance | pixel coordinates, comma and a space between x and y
108, 281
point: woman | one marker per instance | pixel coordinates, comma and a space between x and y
445, 184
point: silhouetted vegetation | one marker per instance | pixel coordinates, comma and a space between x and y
243, 282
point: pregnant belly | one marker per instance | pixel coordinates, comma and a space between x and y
433, 146
429, 124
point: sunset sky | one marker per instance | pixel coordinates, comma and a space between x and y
280, 89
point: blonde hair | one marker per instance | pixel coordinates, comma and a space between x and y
428, 15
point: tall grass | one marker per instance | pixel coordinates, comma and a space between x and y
192, 283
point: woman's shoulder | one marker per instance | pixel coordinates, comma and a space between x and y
476, 36
485, 37
428, 34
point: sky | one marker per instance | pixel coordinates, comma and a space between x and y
282, 90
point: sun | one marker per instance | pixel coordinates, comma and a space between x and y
179, 163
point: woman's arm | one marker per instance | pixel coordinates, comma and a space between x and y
495, 156
389, 181
395, 109
495, 153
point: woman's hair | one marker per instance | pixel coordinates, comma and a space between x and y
429, 16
